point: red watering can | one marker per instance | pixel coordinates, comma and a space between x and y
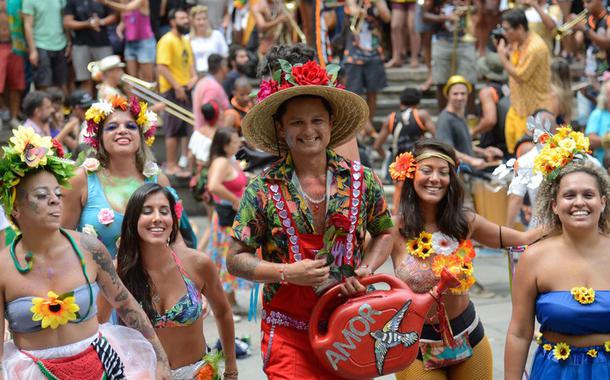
376, 333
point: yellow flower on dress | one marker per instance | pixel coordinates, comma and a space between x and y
561, 351
607, 345
425, 238
547, 347
592, 353
55, 310
583, 295
538, 338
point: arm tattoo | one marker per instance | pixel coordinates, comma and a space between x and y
136, 319
100, 256
242, 265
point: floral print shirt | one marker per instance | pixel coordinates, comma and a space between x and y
257, 223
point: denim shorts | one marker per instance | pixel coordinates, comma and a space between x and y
142, 51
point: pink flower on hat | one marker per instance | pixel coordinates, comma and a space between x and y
105, 216
267, 87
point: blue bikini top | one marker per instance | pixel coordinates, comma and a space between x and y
559, 312
19, 316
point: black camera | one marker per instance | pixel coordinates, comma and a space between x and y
498, 34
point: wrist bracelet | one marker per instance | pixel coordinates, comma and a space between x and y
283, 274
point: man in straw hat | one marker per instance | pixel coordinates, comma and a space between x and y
309, 212
451, 126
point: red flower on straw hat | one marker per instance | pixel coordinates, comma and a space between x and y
308, 74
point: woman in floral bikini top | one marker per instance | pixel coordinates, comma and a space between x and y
432, 231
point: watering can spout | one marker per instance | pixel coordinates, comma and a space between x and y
448, 280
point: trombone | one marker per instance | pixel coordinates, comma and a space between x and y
145, 90
287, 8
567, 28
356, 21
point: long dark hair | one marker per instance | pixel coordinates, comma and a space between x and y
450, 216
129, 258
222, 137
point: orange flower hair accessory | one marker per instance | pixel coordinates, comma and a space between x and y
403, 167
98, 112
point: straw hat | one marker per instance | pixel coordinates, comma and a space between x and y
490, 67
349, 111
456, 79
97, 68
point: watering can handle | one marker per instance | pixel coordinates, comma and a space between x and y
394, 283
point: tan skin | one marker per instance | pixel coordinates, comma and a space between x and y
576, 256
184, 345
431, 184
37, 210
121, 144
306, 127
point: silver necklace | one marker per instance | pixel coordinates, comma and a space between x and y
315, 202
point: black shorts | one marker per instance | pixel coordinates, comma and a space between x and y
173, 126
366, 77
52, 68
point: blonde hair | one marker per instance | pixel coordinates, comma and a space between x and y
193, 13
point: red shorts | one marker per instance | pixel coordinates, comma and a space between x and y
12, 71
290, 356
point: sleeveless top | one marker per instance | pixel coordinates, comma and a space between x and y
137, 26
19, 316
495, 136
237, 185
559, 312
406, 127
99, 215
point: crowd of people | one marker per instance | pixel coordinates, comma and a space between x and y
285, 177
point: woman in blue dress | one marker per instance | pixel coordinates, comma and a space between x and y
564, 280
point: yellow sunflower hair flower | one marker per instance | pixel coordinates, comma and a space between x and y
561, 351
55, 310
592, 353
150, 141
403, 167
547, 347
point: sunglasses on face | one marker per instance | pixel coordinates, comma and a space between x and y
130, 126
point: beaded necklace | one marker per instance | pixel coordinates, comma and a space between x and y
30, 264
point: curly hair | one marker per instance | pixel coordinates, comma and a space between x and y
547, 194
451, 217
298, 53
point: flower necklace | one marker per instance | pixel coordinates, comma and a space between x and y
316, 203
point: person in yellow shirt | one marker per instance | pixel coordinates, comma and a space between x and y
177, 76
527, 62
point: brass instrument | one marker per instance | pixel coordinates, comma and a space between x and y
288, 7
356, 21
465, 12
145, 90
567, 28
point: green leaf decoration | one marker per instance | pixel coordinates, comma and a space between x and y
330, 259
253, 94
277, 75
333, 71
65, 295
290, 79
285, 65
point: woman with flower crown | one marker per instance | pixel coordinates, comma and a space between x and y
564, 281
49, 279
120, 131
433, 231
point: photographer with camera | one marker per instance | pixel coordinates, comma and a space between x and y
526, 58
